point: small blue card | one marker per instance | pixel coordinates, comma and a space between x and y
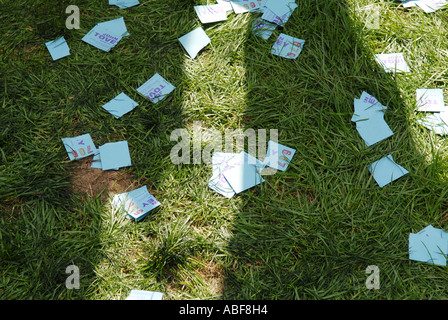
287, 46
194, 41
156, 88
115, 155
385, 171
120, 105
58, 48
79, 147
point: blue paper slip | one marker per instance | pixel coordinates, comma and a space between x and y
144, 295
243, 177
287, 46
429, 245
284, 11
243, 6
211, 13
385, 171
263, 28
123, 4
58, 48
120, 105
436, 122
115, 155
96, 162
79, 147
392, 62
156, 88
194, 41
222, 162
106, 35
136, 204
278, 156
430, 100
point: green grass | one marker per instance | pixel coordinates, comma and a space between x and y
307, 233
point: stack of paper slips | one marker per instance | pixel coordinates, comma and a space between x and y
112, 155
211, 13
243, 6
233, 173
392, 62
120, 105
136, 204
432, 100
79, 147
106, 35
427, 5
369, 119
58, 48
386, 170
429, 245
123, 4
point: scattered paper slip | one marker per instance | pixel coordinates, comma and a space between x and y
123, 4
96, 162
211, 13
430, 100
120, 105
194, 41
437, 123
156, 88
106, 35
385, 171
243, 6
278, 11
369, 119
426, 5
392, 62
144, 295
287, 46
278, 156
429, 245
115, 155
263, 28
79, 147
136, 204
58, 48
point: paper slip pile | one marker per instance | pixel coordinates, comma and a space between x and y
429, 245
136, 204
427, 5
112, 156
392, 62
278, 11
369, 119
233, 173
106, 35
58, 48
144, 295
432, 100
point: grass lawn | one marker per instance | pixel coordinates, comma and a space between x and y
307, 233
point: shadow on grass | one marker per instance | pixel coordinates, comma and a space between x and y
311, 232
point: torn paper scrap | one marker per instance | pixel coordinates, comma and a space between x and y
429, 245
144, 295
120, 105
123, 4
136, 204
385, 170
392, 62
156, 88
211, 13
79, 147
58, 48
430, 100
287, 46
115, 155
263, 28
194, 41
278, 156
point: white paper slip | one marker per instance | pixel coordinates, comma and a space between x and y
392, 62
211, 13
144, 295
430, 100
